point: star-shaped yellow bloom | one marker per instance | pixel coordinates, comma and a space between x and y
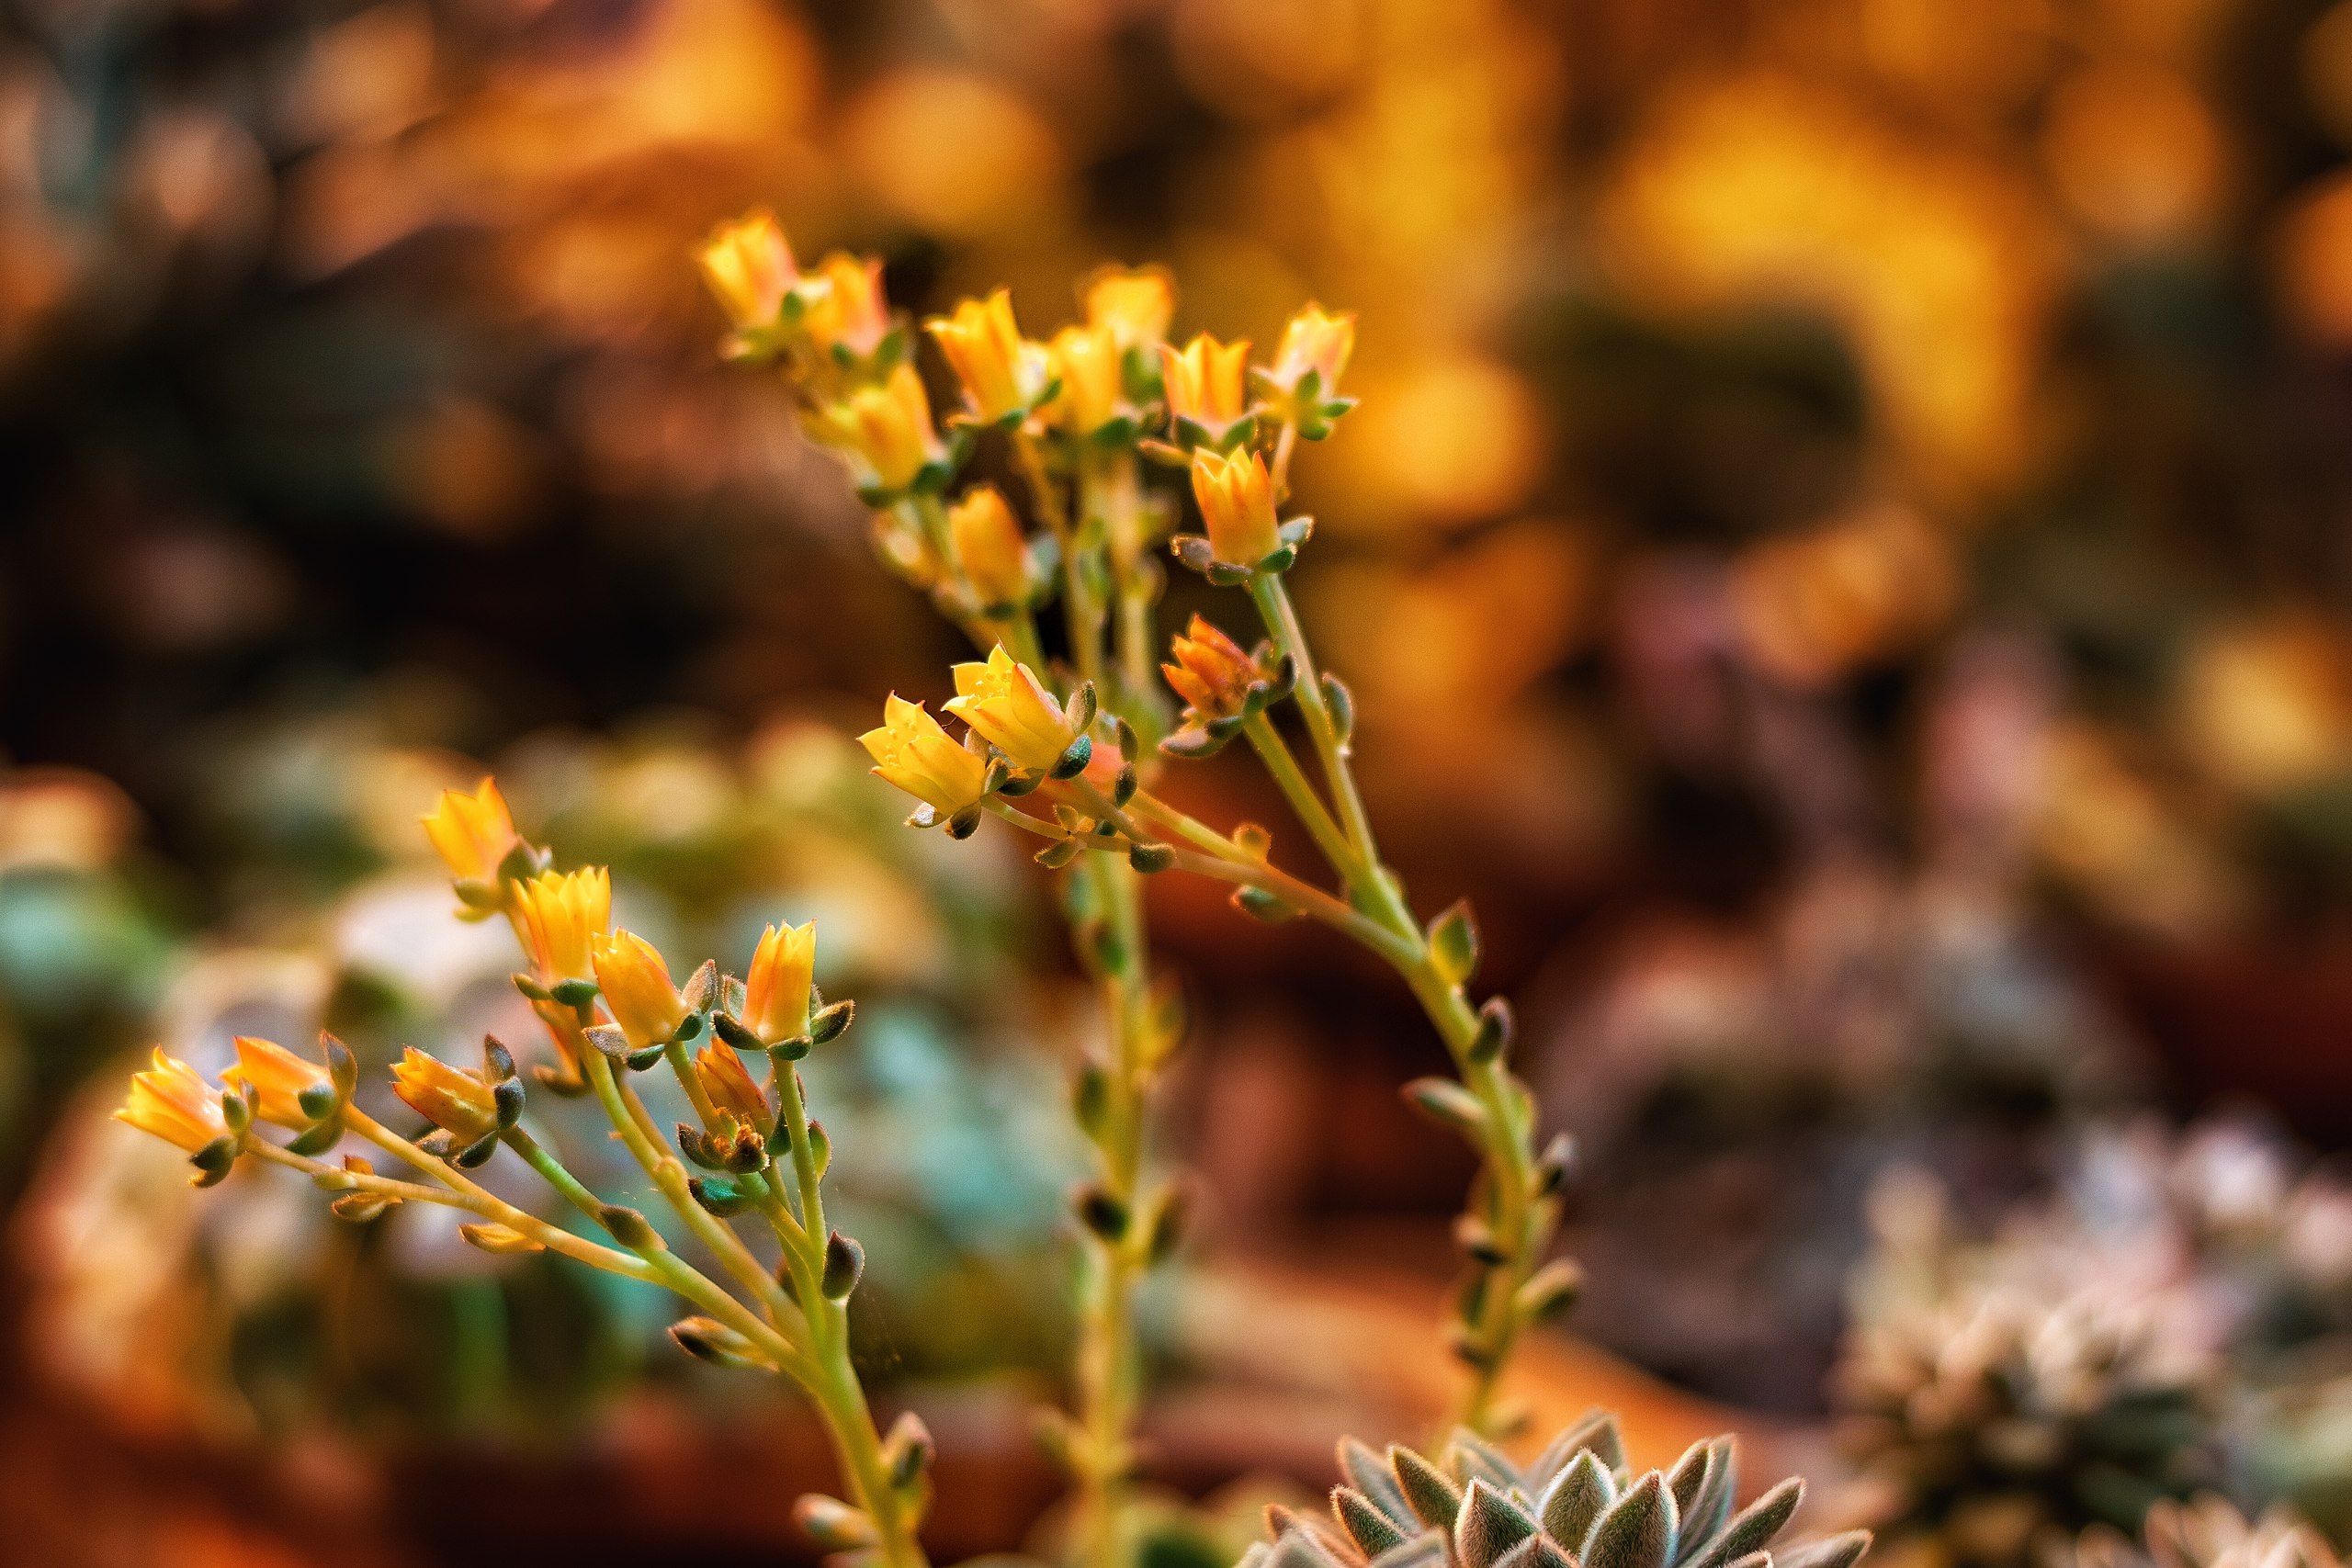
1010, 708
913, 752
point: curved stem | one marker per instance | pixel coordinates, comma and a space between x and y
1282, 622
1274, 751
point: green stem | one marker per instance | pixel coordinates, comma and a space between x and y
1305, 803
1282, 621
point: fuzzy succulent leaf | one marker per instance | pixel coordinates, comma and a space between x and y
1435, 1500
1489, 1525
1635, 1531
1471, 1457
1371, 1476
1833, 1552
1366, 1523
1536, 1552
1580, 1494
1753, 1527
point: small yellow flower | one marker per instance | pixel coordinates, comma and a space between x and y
170, 1101
446, 1096
889, 426
749, 266
989, 543
1010, 708
1133, 305
278, 1078
1207, 382
731, 1087
1000, 373
1086, 360
775, 996
848, 308
1236, 500
472, 833
636, 984
913, 752
1211, 673
561, 911
1318, 341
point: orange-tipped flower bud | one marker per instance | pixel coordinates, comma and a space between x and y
1236, 500
636, 984
731, 1087
170, 1100
472, 833
1010, 708
1000, 373
1318, 341
561, 911
913, 752
279, 1077
446, 1096
989, 547
1087, 362
775, 996
1207, 382
848, 309
1134, 306
749, 267
889, 426
1212, 672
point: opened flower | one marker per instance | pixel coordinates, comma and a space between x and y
561, 911
1237, 503
472, 833
848, 312
1087, 361
1206, 385
448, 1097
636, 983
990, 546
170, 1100
776, 994
1010, 708
1000, 373
913, 752
278, 1078
1315, 340
749, 267
1134, 306
889, 426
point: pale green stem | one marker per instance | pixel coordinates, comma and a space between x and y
1282, 621
1305, 803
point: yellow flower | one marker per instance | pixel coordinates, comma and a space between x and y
889, 426
1206, 382
913, 752
1088, 362
446, 1096
1237, 503
472, 833
1211, 673
1315, 340
989, 543
1135, 305
278, 1078
731, 1087
777, 993
1000, 372
775, 996
848, 309
170, 1101
636, 984
1010, 708
561, 911
749, 266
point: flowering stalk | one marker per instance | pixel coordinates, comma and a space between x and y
610, 1009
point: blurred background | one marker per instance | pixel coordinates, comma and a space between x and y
1845, 555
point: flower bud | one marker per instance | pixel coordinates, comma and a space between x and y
172, 1102
1236, 500
847, 309
749, 267
561, 912
1134, 307
1211, 673
888, 427
913, 752
1008, 707
1206, 383
1087, 362
636, 983
472, 833
729, 1087
1318, 341
776, 994
1000, 372
989, 544
450, 1099
279, 1079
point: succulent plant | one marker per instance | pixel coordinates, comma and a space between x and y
2208, 1532
1578, 1505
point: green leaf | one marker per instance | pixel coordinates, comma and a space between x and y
1578, 1496
1536, 1552
1448, 1104
1754, 1527
1636, 1531
1367, 1525
1373, 1479
1434, 1499
1342, 704
1488, 1525
1838, 1551
1454, 943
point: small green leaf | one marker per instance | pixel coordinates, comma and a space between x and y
1489, 1525
1580, 1494
1636, 1531
1448, 1104
1454, 943
1434, 1499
